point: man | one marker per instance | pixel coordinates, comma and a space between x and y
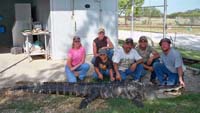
170, 70
102, 42
127, 61
149, 56
103, 66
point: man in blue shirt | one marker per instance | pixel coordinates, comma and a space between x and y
169, 70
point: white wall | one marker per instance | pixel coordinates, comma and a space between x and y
86, 21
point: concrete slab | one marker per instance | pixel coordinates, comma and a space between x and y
38, 70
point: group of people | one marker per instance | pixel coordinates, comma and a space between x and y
167, 67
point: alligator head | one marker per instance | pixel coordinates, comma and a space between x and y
153, 92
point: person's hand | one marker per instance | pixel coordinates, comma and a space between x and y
100, 76
150, 68
112, 78
133, 67
150, 60
182, 83
118, 77
96, 55
76, 73
104, 48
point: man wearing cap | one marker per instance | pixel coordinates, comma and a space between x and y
102, 42
127, 61
170, 70
103, 66
149, 56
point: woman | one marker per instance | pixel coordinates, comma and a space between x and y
102, 42
76, 66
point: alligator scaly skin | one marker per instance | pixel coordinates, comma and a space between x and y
127, 89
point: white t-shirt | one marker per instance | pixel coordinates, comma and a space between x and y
125, 60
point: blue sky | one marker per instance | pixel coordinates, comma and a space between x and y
175, 5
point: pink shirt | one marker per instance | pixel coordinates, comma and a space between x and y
76, 55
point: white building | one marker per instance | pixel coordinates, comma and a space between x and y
66, 18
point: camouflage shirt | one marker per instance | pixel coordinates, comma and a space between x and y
145, 54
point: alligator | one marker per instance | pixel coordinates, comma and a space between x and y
136, 91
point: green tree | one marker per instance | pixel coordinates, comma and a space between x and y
125, 6
150, 12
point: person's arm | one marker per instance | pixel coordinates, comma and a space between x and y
82, 61
150, 68
115, 61
110, 68
95, 49
118, 76
155, 55
69, 63
138, 59
180, 74
83, 58
178, 65
111, 75
100, 76
110, 44
134, 65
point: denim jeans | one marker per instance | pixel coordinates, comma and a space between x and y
165, 76
137, 74
82, 69
109, 53
103, 72
153, 74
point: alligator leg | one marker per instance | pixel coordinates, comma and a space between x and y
95, 93
138, 101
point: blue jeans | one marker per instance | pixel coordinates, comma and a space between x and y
109, 53
161, 70
103, 72
82, 69
137, 74
153, 74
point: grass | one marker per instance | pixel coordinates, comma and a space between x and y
187, 103
192, 54
183, 104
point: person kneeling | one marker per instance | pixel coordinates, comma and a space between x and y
103, 66
76, 66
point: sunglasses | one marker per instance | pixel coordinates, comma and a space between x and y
77, 41
102, 54
142, 41
76, 38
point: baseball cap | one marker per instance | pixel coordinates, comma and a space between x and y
129, 41
101, 30
143, 38
102, 51
76, 38
164, 40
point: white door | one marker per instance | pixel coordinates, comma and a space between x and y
22, 22
87, 15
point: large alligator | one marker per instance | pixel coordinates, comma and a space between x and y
127, 89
